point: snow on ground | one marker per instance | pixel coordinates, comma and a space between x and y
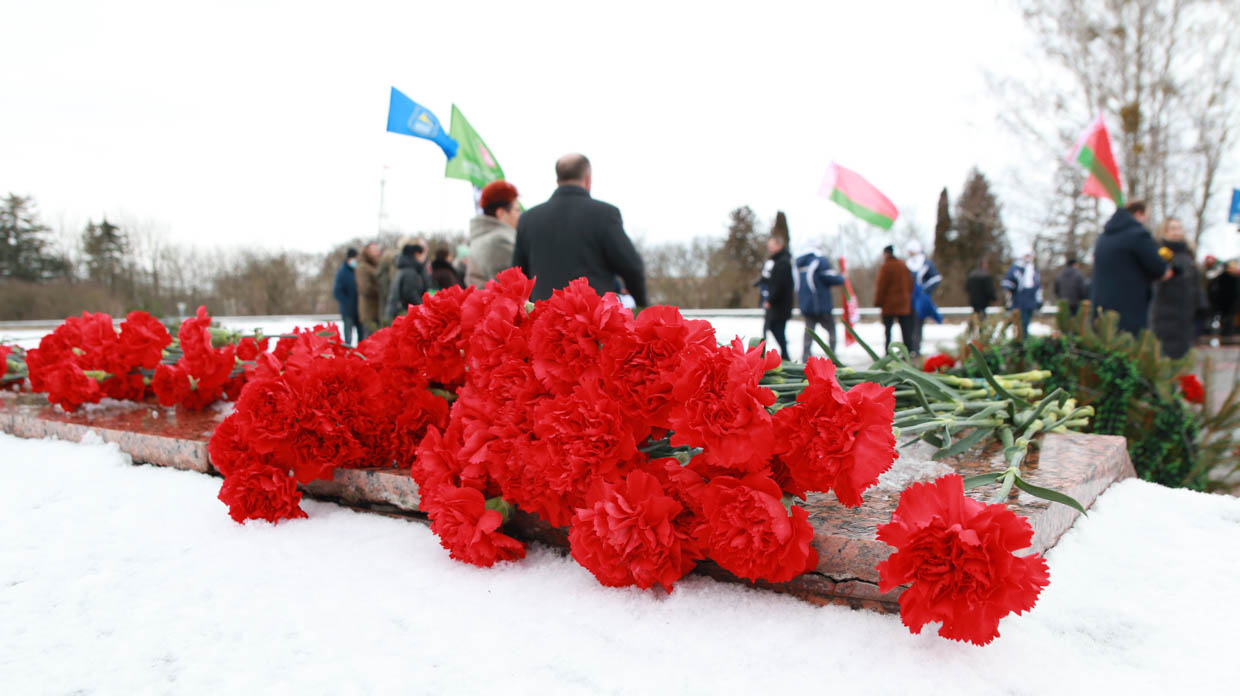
123, 579
937, 337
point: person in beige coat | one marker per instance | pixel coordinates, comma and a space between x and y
368, 290
492, 234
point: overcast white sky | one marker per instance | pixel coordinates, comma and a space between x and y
262, 122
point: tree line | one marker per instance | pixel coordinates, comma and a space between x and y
116, 267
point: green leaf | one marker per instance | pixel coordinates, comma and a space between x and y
825, 348
1058, 396
964, 444
994, 383
933, 439
921, 396
1048, 494
498, 504
981, 480
926, 381
864, 346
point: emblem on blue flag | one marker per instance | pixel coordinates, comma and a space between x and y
407, 117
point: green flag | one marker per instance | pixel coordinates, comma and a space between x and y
473, 162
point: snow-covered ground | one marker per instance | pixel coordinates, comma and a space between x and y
936, 336
117, 579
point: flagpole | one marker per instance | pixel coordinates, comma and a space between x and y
382, 186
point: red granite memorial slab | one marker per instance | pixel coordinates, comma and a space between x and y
1079, 465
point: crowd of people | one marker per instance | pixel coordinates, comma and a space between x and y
570, 236
1148, 283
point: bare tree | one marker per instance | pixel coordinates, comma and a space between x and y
1166, 68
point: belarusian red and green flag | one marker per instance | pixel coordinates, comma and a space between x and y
858, 196
473, 162
1093, 151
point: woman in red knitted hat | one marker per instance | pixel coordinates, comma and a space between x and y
492, 234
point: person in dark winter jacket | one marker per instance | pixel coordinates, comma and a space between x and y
443, 273
345, 292
574, 236
814, 280
777, 274
1223, 288
1179, 300
410, 281
980, 287
1071, 286
1024, 286
1126, 263
926, 278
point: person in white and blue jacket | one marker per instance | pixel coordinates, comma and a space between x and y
926, 279
814, 279
1024, 287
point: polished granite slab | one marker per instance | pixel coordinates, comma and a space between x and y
1079, 465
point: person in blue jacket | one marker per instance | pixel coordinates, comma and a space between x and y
814, 279
926, 280
1024, 286
345, 292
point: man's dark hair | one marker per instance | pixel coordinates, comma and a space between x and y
1071, 259
572, 168
411, 250
1135, 207
351, 253
889, 250
441, 254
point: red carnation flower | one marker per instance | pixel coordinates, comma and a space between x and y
958, 555
261, 492
249, 348
748, 531
504, 297
171, 385
143, 339
125, 386
569, 331
5, 352
228, 448
836, 440
641, 367
1191, 388
627, 535
470, 531
70, 387
936, 363
581, 438
721, 407
428, 340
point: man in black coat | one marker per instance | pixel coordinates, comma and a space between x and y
1126, 263
1071, 286
980, 287
781, 292
573, 236
410, 281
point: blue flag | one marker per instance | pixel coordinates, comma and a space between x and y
1234, 216
407, 117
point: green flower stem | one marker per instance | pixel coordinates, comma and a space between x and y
954, 423
1009, 478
